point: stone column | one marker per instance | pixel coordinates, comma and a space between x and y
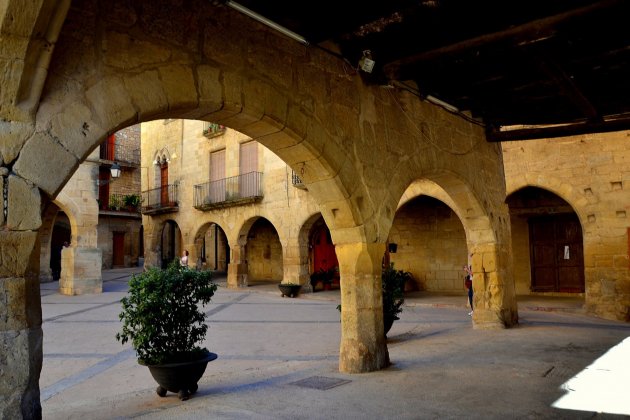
295, 265
363, 347
80, 271
237, 267
20, 305
494, 297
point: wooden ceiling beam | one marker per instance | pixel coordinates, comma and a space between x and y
530, 31
558, 131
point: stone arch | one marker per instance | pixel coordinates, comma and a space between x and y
306, 251
494, 298
155, 254
543, 225
219, 246
559, 187
255, 250
455, 193
355, 145
428, 240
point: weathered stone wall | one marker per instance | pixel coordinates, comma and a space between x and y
431, 245
264, 253
107, 225
591, 173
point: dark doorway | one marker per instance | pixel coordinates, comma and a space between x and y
556, 253
61, 234
168, 242
118, 254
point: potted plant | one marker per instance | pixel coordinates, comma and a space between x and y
131, 201
162, 319
393, 284
289, 289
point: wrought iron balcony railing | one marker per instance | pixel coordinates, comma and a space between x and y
120, 152
241, 189
160, 200
297, 181
129, 203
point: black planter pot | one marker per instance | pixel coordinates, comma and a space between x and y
388, 321
291, 290
180, 378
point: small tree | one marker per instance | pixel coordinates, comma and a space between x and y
161, 314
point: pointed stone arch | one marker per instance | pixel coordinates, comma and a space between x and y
494, 298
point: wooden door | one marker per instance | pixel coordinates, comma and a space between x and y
110, 153
557, 256
164, 184
118, 254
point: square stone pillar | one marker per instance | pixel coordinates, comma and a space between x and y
80, 271
363, 347
20, 326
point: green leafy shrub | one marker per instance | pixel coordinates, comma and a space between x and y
131, 200
393, 283
161, 315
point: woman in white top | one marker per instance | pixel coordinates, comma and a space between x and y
184, 260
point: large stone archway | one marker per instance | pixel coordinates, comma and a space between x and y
357, 147
486, 226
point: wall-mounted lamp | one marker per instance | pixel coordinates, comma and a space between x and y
392, 248
366, 63
115, 171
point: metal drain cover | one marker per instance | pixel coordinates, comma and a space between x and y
320, 382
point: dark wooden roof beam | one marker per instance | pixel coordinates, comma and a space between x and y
606, 126
537, 29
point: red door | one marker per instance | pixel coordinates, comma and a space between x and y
118, 254
164, 184
324, 256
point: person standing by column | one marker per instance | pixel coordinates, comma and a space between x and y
468, 277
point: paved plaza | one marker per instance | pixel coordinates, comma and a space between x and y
278, 359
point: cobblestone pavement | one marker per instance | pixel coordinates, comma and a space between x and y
278, 359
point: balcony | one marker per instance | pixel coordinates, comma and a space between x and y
297, 181
233, 191
122, 153
127, 205
213, 130
160, 200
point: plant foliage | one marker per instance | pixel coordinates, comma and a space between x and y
161, 314
393, 283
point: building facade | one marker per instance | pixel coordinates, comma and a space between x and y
95, 221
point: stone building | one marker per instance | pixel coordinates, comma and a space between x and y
76, 72
569, 201
88, 226
229, 201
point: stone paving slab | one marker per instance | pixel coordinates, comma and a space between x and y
441, 367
